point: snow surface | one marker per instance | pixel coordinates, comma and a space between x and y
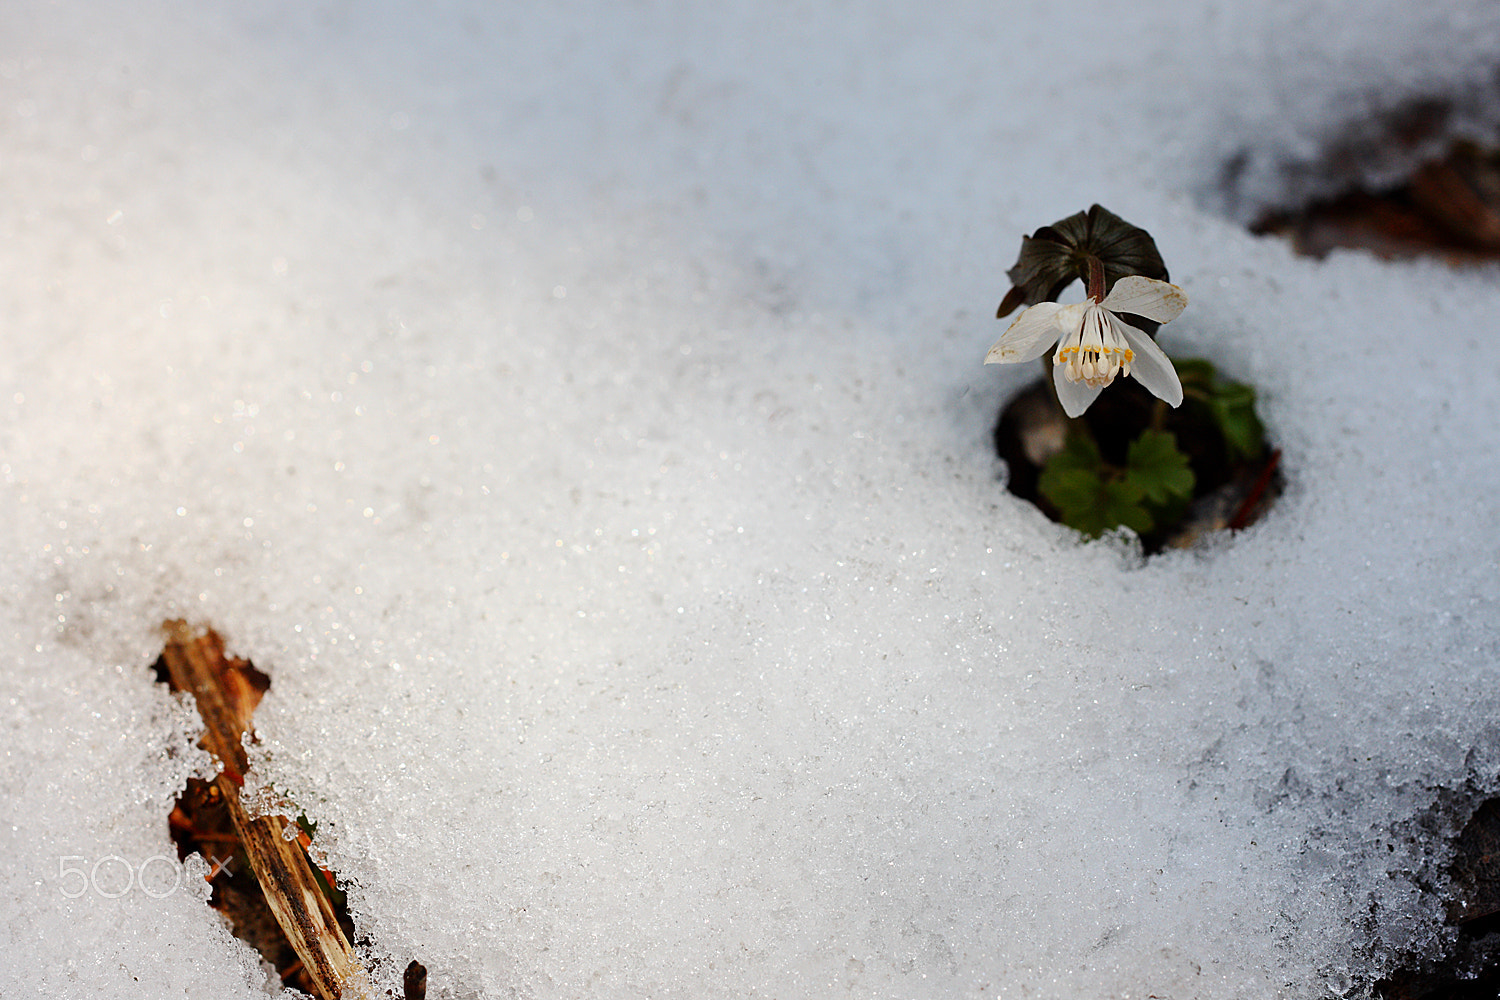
577, 409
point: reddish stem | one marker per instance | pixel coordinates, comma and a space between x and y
1096, 279
1242, 516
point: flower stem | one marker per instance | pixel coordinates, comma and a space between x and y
1159, 415
1095, 278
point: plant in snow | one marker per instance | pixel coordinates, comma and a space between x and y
1094, 344
1123, 274
1127, 464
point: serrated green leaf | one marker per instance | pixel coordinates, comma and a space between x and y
1230, 403
1078, 452
1073, 480
1122, 506
1197, 377
1158, 468
1088, 495
1093, 505
1233, 407
1072, 491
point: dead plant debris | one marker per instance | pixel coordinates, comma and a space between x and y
1449, 207
263, 880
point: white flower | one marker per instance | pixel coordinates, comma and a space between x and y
1094, 344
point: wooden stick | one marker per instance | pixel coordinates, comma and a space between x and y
227, 694
303, 911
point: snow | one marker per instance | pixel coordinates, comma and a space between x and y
578, 411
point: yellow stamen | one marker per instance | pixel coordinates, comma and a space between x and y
1096, 353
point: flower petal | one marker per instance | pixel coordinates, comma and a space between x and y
1151, 367
1075, 397
1140, 296
1029, 336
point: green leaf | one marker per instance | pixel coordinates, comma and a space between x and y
1089, 495
1233, 408
1120, 505
1079, 452
1158, 469
1230, 403
1076, 494
1197, 377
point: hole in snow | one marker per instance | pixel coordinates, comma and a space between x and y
1235, 473
264, 883
1128, 459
